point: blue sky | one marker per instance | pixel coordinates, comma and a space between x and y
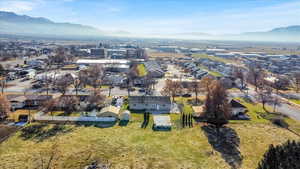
165, 16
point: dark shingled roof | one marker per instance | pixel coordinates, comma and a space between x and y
236, 104
29, 97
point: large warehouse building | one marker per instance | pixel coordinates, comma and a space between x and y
112, 64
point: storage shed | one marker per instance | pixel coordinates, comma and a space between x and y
125, 115
110, 111
162, 123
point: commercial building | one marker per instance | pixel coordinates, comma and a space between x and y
120, 65
99, 52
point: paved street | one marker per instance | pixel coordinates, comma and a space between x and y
284, 108
21, 60
173, 71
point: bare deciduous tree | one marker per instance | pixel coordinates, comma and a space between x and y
131, 75
77, 85
255, 75
62, 84
4, 106
2, 84
60, 56
172, 88
95, 75
83, 77
281, 83
206, 82
195, 87
50, 106
2, 71
69, 103
149, 82
239, 74
96, 99
217, 108
296, 79
264, 95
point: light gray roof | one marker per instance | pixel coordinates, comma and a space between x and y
150, 99
162, 120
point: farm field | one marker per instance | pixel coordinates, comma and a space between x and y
214, 58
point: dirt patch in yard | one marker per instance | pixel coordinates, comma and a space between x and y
6, 131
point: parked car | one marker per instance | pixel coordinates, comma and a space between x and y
142, 90
187, 95
36, 86
132, 89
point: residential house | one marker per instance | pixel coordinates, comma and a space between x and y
156, 104
238, 111
154, 69
28, 101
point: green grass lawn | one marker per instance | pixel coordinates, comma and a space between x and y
259, 115
295, 101
216, 74
141, 70
214, 58
62, 113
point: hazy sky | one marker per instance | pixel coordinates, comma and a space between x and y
165, 16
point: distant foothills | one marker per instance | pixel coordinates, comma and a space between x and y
23, 25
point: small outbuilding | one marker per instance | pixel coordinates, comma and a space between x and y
110, 111
125, 115
198, 111
162, 123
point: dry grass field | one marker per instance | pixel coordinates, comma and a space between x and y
75, 146
132, 147
163, 54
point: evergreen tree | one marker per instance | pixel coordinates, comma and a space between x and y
286, 156
183, 120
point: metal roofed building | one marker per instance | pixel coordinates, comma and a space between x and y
120, 65
162, 123
102, 61
156, 104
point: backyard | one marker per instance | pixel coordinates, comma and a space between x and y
131, 146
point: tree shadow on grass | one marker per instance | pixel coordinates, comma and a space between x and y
123, 123
41, 132
227, 142
97, 124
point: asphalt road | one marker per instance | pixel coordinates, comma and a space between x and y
21, 60
283, 108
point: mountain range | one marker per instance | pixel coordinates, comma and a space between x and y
14, 24
11, 23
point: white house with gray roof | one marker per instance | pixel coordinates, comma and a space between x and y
155, 104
